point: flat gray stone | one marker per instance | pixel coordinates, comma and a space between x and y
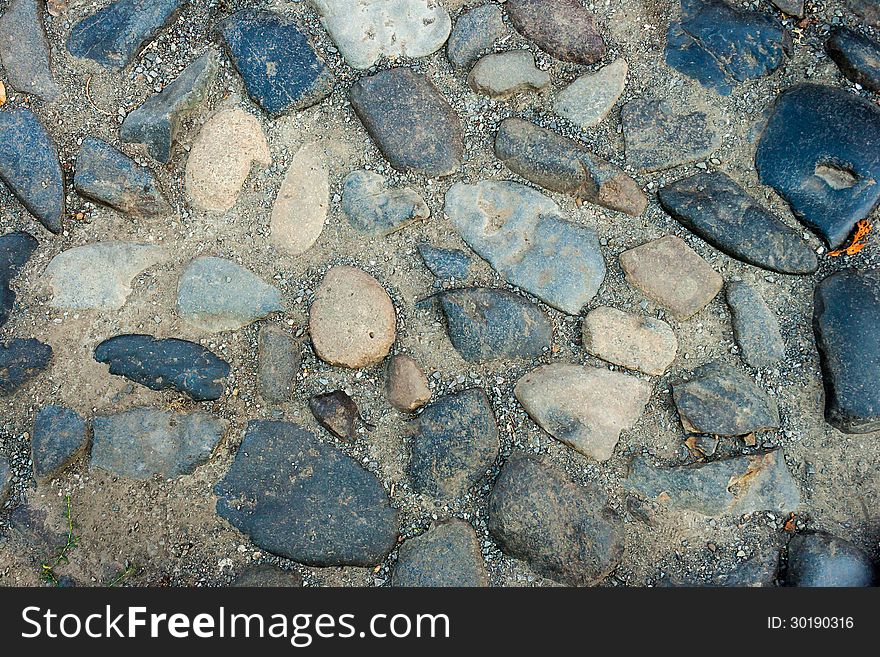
60, 436
143, 442
527, 240
755, 326
445, 263
448, 554
5, 481
215, 295
507, 73
278, 363
24, 50
375, 209
476, 31
733, 486
22, 360
819, 559
588, 100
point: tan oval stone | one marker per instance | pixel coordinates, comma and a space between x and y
352, 320
300, 209
406, 385
638, 343
221, 158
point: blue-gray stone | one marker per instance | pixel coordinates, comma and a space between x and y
168, 363
24, 49
143, 442
476, 31
821, 151
156, 122
20, 361
60, 436
109, 176
717, 209
448, 554
846, 315
299, 498
857, 56
485, 324
15, 250
445, 263
374, 209
721, 46
113, 35
280, 69
29, 166
5, 481
455, 443
818, 559
755, 326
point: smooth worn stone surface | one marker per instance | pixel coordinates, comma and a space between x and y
109, 176
305, 500
24, 50
143, 442
336, 412
278, 362
869, 10
406, 385
22, 359
160, 364
589, 99
29, 166
227, 146
584, 407
563, 530
527, 240
15, 250
562, 28
722, 401
857, 56
721, 46
60, 436
448, 554
352, 321
791, 7
733, 486
846, 314
374, 208
281, 71
819, 559
714, 207
113, 35
564, 165
410, 121
303, 200
368, 30
755, 326
98, 276
5, 481
504, 74
659, 137
215, 294
455, 442
819, 152
156, 123
646, 344
671, 273
476, 31
445, 263
266, 575
485, 324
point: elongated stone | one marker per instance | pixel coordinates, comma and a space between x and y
109, 176
168, 363
476, 31
857, 56
589, 99
564, 165
156, 123
755, 326
15, 250
526, 238
29, 166
20, 361
717, 209
563, 28
278, 362
5, 481
304, 500
113, 35
281, 71
300, 209
24, 49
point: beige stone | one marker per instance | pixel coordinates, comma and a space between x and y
406, 385
300, 209
638, 343
589, 99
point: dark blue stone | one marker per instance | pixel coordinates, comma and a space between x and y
304, 500
445, 263
846, 317
486, 324
817, 559
5, 481
720, 46
115, 34
20, 361
161, 364
857, 57
281, 71
109, 176
60, 435
15, 250
29, 166
821, 151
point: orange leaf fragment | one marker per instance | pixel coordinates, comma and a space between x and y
2, 93
858, 242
